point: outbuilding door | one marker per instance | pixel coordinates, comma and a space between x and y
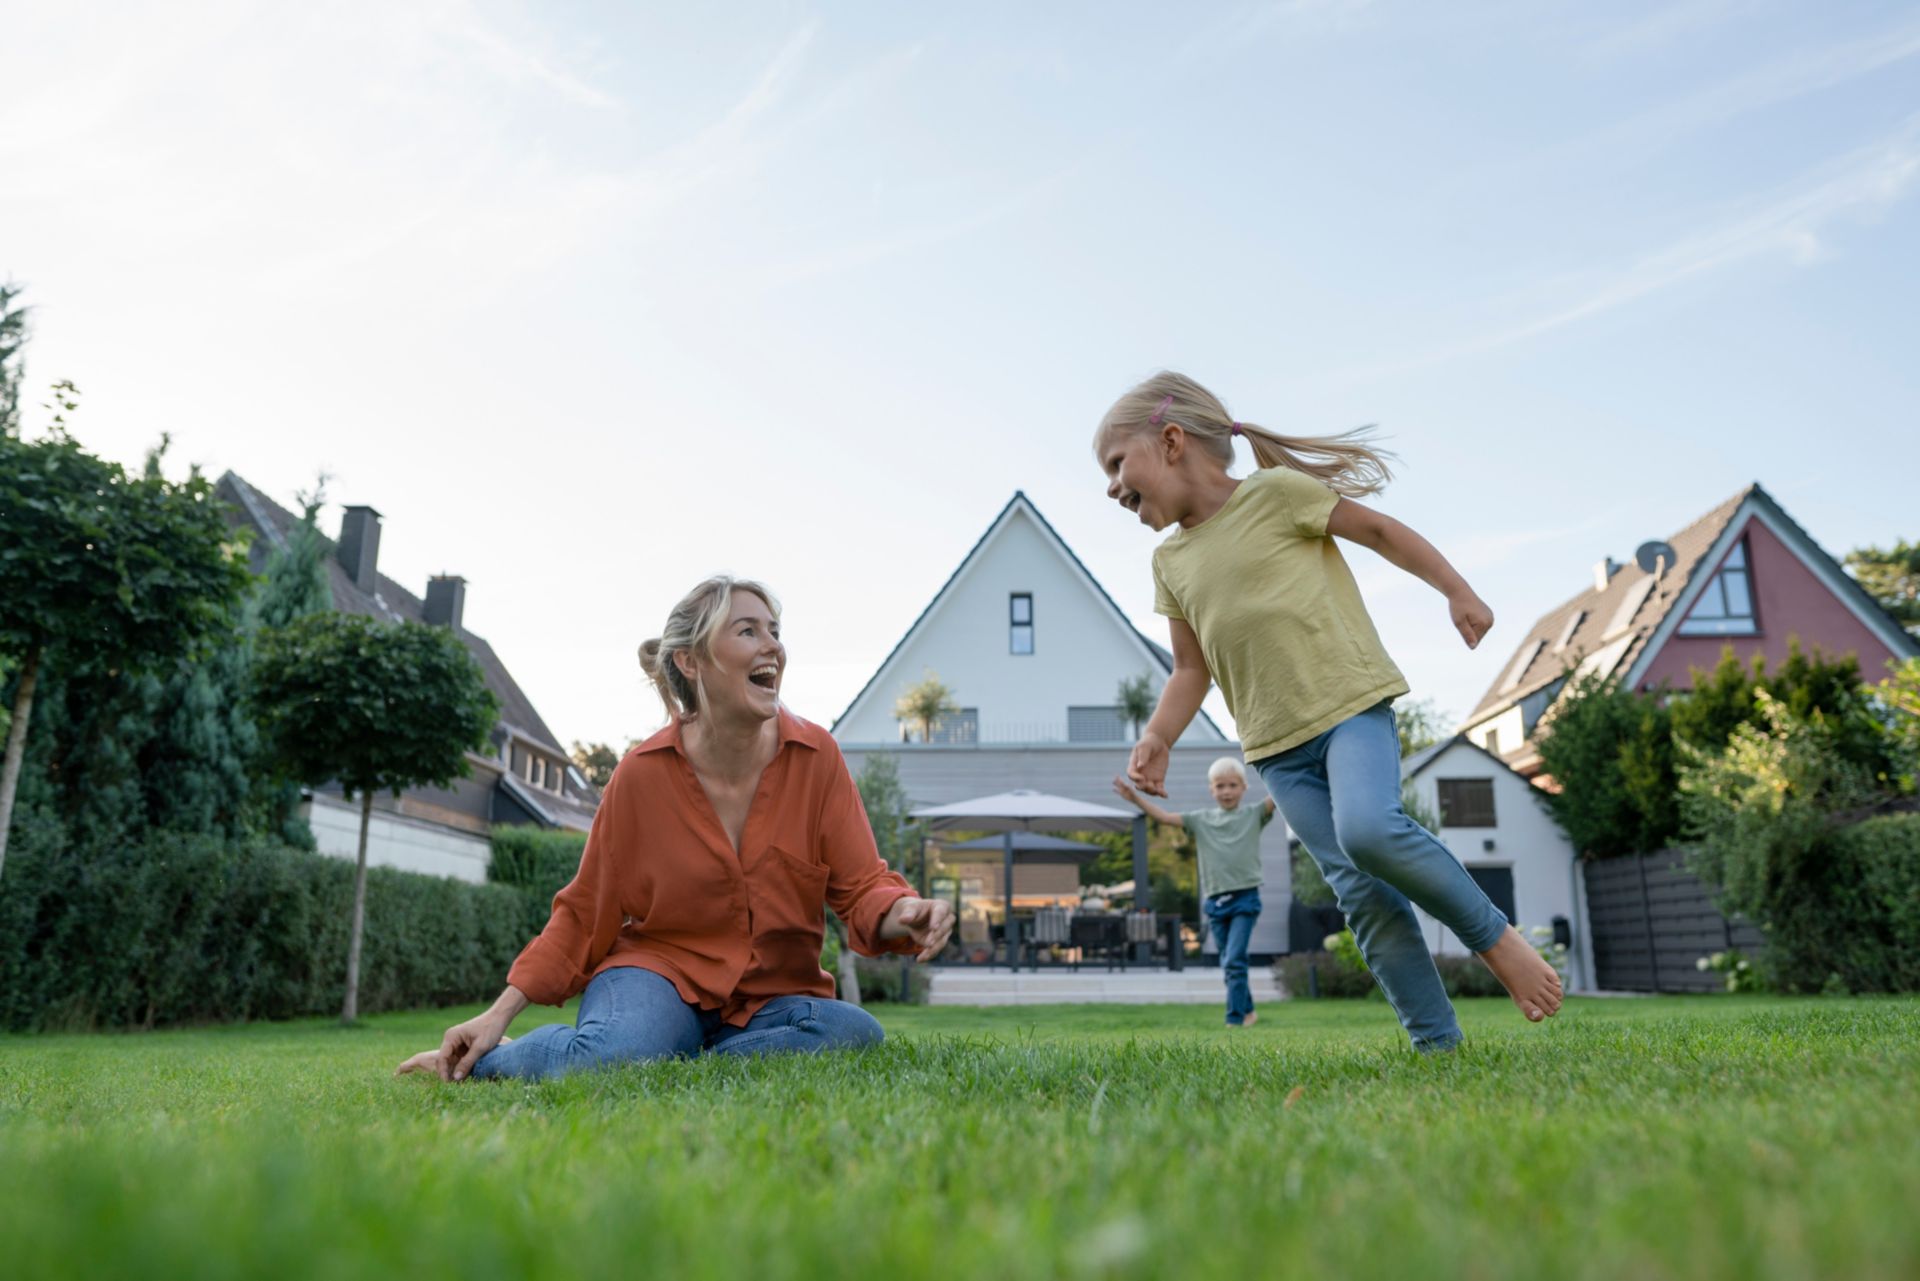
1498, 884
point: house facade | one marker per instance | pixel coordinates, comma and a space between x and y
524, 776
1744, 574
1496, 823
1034, 650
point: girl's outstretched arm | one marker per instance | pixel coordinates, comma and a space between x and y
1401, 546
1180, 699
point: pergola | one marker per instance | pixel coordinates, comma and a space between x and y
1029, 811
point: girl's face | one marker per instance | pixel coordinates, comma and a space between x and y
740, 680
1138, 468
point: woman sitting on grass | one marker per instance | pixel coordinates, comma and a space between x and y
695, 921
1227, 840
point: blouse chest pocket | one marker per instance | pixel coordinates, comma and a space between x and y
788, 892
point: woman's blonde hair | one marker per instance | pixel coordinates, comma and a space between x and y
692, 626
1348, 463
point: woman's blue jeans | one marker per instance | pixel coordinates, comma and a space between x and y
1340, 793
1232, 917
630, 1015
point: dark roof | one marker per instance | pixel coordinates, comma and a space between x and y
1690, 546
1413, 764
389, 601
1159, 652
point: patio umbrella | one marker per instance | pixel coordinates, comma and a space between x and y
1029, 811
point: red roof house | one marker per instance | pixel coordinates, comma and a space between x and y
1744, 574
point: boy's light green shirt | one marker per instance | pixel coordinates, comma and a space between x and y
1279, 617
1229, 845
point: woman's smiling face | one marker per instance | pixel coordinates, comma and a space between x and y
741, 675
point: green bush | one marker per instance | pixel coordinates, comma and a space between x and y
535, 859
1771, 814
186, 929
1883, 855
1611, 750
880, 981
1467, 976
1335, 978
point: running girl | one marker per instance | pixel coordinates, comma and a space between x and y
1261, 601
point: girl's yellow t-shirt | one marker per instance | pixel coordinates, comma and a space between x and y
1279, 617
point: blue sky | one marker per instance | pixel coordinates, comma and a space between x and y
592, 300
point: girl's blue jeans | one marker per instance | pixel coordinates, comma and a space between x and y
630, 1015
1232, 917
1340, 793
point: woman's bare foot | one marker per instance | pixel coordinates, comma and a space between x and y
1529, 980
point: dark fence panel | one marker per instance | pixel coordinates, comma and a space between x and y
1653, 920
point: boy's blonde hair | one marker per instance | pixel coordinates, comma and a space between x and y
692, 626
1348, 464
1226, 765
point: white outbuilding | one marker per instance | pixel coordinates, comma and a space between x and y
1498, 825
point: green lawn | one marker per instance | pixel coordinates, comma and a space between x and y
1676, 1137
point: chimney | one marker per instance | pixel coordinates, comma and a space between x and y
359, 549
1603, 573
446, 600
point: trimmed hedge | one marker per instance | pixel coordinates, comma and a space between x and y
187, 929
535, 859
1461, 975
1881, 857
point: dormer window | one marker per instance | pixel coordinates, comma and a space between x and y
1020, 623
1725, 606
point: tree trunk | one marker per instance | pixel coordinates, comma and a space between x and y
351, 1009
849, 969
17, 744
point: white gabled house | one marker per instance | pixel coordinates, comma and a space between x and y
1034, 651
1496, 823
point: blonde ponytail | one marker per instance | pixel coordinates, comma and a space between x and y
691, 627
1349, 464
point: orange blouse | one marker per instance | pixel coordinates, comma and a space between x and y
661, 887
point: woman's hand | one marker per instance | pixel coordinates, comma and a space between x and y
927, 921
1471, 616
465, 1044
1147, 767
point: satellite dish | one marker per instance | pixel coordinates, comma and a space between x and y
1655, 557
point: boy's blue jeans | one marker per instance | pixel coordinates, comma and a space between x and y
1232, 917
629, 1015
1340, 793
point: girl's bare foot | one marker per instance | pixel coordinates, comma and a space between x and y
1253, 1016
1529, 980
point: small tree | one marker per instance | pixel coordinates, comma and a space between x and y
13, 339
924, 704
377, 706
1135, 699
1420, 725
1891, 577
103, 571
596, 762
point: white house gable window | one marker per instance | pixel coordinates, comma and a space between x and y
1466, 802
1020, 616
1725, 607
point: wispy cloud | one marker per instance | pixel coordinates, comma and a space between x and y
1805, 72
1666, 25
1243, 24
1795, 224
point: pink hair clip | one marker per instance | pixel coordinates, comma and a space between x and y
1155, 419
1235, 428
